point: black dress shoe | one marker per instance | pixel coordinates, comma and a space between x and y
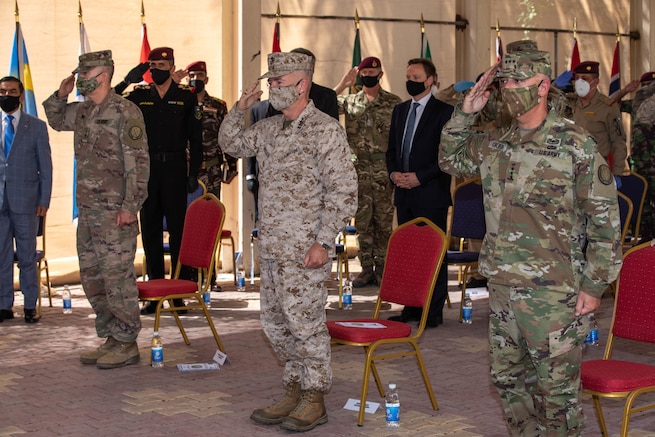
434, 322
179, 303
476, 283
404, 318
150, 308
31, 316
6, 314
217, 288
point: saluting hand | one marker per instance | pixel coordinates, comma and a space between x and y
249, 97
478, 96
66, 86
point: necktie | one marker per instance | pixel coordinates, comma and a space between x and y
409, 133
9, 134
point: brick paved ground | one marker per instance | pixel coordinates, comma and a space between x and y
44, 390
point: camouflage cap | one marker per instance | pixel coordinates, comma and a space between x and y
281, 63
88, 61
524, 65
523, 45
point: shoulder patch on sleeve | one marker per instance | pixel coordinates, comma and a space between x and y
605, 175
135, 132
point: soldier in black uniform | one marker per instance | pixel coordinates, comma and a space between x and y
172, 119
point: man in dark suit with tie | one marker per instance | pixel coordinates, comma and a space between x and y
25, 188
421, 188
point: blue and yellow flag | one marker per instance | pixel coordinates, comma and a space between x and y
19, 66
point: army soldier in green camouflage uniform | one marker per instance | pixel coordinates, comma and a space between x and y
368, 119
552, 244
643, 158
111, 149
307, 193
213, 113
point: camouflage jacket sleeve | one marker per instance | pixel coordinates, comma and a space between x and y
617, 140
61, 115
234, 139
460, 144
132, 134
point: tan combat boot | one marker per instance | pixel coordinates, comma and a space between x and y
364, 278
275, 413
121, 355
91, 356
309, 412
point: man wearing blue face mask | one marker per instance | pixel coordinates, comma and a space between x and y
172, 118
421, 188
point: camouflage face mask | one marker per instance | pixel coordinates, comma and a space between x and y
518, 101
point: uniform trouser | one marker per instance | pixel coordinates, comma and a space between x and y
535, 343
374, 218
166, 197
22, 229
438, 216
293, 302
106, 254
211, 177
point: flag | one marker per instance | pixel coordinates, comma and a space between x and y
425, 45
575, 55
615, 79
499, 43
357, 54
19, 66
276, 31
145, 45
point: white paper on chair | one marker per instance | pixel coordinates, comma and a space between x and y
370, 325
353, 404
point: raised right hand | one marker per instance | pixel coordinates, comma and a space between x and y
66, 86
478, 96
249, 97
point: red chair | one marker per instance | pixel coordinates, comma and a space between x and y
415, 252
202, 229
634, 319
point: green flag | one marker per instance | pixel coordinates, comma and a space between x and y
357, 55
425, 47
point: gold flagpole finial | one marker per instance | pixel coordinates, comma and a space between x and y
277, 13
575, 28
618, 35
422, 24
497, 27
79, 10
143, 13
356, 19
16, 10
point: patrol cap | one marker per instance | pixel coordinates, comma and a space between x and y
647, 77
586, 67
88, 61
281, 63
370, 62
524, 65
197, 66
161, 54
523, 45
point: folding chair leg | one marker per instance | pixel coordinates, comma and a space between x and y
378, 380
599, 415
426, 379
211, 326
47, 278
362, 400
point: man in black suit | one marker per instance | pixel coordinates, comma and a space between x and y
421, 188
325, 100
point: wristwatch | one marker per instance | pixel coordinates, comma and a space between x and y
324, 245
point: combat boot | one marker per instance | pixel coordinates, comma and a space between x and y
309, 412
276, 413
91, 356
379, 271
365, 277
121, 355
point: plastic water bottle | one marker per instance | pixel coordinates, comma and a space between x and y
592, 337
467, 310
66, 298
207, 298
392, 405
347, 295
241, 275
157, 348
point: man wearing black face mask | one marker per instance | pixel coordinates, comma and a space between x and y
368, 118
172, 118
25, 187
422, 189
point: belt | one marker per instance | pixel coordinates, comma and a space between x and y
210, 163
167, 156
372, 156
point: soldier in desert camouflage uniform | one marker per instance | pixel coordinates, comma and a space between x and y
308, 193
368, 119
552, 244
111, 149
643, 158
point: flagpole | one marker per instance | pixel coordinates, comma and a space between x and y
16, 10
143, 14
422, 34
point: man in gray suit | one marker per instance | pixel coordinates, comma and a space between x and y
25, 188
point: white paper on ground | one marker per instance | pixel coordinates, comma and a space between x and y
197, 367
221, 358
371, 325
353, 404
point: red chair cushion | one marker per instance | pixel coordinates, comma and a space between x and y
225, 233
366, 335
164, 287
608, 376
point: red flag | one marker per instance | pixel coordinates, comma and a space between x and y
615, 79
276, 38
145, 51
575, 55
499, 49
